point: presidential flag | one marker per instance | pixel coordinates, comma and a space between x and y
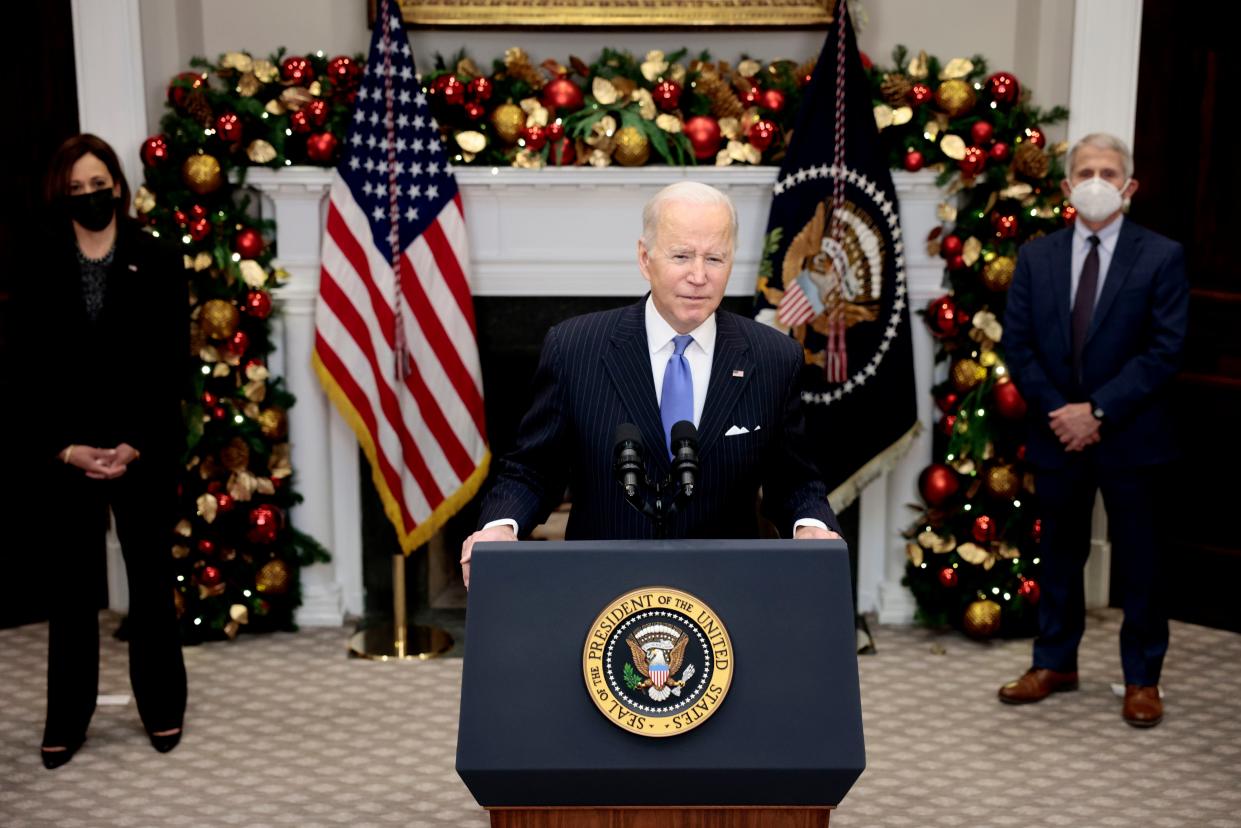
833, 275
395, 343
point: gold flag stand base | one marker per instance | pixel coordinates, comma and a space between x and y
398, 641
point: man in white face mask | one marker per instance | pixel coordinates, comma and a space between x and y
1093, 333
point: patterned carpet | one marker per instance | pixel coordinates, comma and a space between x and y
285, 730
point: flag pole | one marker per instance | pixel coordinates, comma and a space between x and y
398, 641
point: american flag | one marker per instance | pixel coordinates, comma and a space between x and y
800, 302
395, 342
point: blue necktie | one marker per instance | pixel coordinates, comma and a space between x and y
677, 401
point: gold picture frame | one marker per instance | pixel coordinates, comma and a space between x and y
687, 14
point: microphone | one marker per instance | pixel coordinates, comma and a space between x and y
627, 464
685, 454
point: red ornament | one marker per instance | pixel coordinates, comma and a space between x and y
228, 127
181, 86
1004, 224
999, 152
219, 412
563, 95
1068, 213
321, 147
866, 61
453, 91
225, 502
973, 162
981, 132
474, 110
704, 136
555, 131
264, 524
210, 576
206, 547
1036, 137
299, 122
1021, 455
209, 399
762, 133
155, 150
258, 304
316, 111
248, 243
948, 402
199, 229
667, 95
480, 89
560, 152
1008, 401
914, 160
920, 93
984, 529
944, 318
180, 218
948, 577
951, 246
753, 95
773, 100
1036, 531
237, 343
297, 70
938, 483
1029, 590
956, 263
533, 137
198, 212
1003, 88
948, 424
341, 69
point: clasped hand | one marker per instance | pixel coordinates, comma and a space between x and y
1075, 426
102, 463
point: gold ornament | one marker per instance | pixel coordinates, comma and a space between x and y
252, 273
237, 60
248, 85
208, 506
201, 174
956, 68
295, 97
508, 119
260, 152
982, 619
219, 319
632, 147
953, 146
236, 455
471, 141
967, 373
273, 578
955, 96
144, 200
1030, 162
274, 423
265, 71
1002, 482
997, 274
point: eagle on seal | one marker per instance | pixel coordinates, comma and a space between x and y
658, 664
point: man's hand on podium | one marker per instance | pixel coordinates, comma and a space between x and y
492, 533
814, 533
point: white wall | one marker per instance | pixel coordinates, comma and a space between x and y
1032, 38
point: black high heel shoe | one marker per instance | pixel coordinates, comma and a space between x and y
53, 759
166, 742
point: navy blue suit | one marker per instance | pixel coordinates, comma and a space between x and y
595, 373
1132, 350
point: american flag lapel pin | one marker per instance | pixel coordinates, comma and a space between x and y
737, 372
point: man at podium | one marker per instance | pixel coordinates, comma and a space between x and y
666, 360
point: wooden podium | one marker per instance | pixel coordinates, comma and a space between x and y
782, 748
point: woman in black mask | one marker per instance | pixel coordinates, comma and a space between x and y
108, 329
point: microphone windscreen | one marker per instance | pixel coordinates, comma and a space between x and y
684, 430
628, 433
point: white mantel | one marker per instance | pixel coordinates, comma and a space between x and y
557, 232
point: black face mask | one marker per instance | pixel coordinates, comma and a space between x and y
92, 210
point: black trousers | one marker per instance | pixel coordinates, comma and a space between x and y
144, 507
1138, 516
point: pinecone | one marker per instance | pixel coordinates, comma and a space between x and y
724, 103
198, 108
895, 89
1030, 162
519, 67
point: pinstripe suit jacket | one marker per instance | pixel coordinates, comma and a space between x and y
595, 373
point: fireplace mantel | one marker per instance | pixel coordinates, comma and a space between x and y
557, 232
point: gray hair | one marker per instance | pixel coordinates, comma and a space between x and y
686, 192
1103, 141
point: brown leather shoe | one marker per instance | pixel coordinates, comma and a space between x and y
1036, 685
1143, 707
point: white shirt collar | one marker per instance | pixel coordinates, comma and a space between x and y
1107, 236
659, 333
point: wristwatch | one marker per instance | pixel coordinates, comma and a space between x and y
1096, 411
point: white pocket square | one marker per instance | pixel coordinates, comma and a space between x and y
735, 430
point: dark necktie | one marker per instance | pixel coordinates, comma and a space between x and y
676, 403
1083, 304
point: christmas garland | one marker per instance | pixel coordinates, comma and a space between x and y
973, 556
